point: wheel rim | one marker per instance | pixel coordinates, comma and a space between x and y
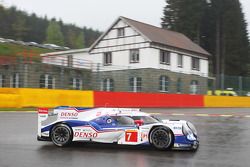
61, 135
161, 138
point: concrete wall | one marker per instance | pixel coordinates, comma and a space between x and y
22, 97
150, 80
29, 75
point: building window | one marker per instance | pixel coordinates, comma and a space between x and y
107, 58
47, 81
108, 84
70, 61
15, 81
121, 32
195, 63
164, 83
179, 85
75, 83
194, 87
2, 79
180, 60
164, 57
135, 84
134, 56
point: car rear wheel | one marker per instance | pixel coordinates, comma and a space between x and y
161, 138
61, 135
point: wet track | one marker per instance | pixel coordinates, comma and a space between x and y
224, 142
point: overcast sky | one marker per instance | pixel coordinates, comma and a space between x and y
100, 14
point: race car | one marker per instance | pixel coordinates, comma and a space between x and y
124, 126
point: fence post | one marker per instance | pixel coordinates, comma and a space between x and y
240, 86
62, 78
25, 76
222, 82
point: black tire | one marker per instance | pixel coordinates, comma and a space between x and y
161, 138
61, 135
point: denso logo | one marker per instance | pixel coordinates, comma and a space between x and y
86, 134
68, 114
177, 128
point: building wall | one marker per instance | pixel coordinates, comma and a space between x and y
150, 80
149, 53
187, 61
111, 43
150, 58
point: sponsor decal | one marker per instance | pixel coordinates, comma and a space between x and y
86, 134
177, 128
69, 114
109, 121
98, 113
43, 110
131, 136
144, 136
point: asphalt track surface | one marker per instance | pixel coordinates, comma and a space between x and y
224, 142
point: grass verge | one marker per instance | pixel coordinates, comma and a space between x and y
17, 109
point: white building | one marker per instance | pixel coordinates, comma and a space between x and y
129, 45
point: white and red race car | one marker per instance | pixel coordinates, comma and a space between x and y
126, 126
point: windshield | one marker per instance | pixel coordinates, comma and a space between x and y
146, 119
123, 120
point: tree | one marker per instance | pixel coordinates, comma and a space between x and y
90, 36
171, 15
71, 38
235, 42
218, 26
54, 34
2, 21
79, 43
37, 29
185, 16
20, 27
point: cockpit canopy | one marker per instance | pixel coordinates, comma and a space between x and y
124, 120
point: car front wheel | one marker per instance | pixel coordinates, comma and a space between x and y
61, 135
161, 138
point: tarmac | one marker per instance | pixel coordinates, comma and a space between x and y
224, 142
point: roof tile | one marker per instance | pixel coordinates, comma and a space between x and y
166, 37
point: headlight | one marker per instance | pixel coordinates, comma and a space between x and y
189, 130
186, 130
191, 137
191, 126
